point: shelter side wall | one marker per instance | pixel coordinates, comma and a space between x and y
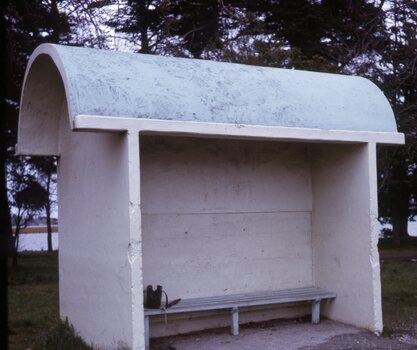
223, 217
95, 275
345, 257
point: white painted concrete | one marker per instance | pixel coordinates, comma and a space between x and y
135, 241
43, 95
345, 256
224, 217
213, 215
95, 273
183, 175
234, 130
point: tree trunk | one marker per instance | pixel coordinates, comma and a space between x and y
48, 213
15, 252
143, 27
400, 197
49, 228
16, 240
399, 229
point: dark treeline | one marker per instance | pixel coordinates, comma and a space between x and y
374, 39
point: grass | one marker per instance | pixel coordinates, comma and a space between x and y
33, 298
34, 311
399, 296
63, 337
399, 288
34, 307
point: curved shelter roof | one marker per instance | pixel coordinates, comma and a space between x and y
146, 87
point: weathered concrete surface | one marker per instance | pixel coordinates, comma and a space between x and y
223, 217
95, 274
119, 84
345, 255
286, 335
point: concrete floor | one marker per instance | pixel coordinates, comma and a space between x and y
285, 335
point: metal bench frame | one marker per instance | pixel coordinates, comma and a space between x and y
235, 301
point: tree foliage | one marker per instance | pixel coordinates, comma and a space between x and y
374, 39
26, 196
398, 170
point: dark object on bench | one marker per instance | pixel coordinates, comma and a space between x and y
153, 297
233, 302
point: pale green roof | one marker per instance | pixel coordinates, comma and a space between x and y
118, 84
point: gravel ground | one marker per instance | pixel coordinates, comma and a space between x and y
365, 341
286, 335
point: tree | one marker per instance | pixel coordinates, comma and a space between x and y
142, 21
180, 28
398, 170
26, 196
45, 170
26, 25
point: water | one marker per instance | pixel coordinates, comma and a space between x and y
412, 228
38, 241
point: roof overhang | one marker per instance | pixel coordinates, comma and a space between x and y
224, 130
107, 91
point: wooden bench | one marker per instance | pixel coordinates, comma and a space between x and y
236, 301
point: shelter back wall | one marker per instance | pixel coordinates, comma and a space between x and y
225, 216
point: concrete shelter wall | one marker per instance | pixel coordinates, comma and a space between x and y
42, 97
345, 254
224, 217
95, 275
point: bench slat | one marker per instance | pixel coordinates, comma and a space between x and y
262, 294
246, 299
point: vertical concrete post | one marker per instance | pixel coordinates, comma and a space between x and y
374, 256
135, 243
345, 255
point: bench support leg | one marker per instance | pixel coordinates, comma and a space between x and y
147, 333
315, 312
234, 328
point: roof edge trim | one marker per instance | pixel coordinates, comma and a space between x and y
225, 130
51, 51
